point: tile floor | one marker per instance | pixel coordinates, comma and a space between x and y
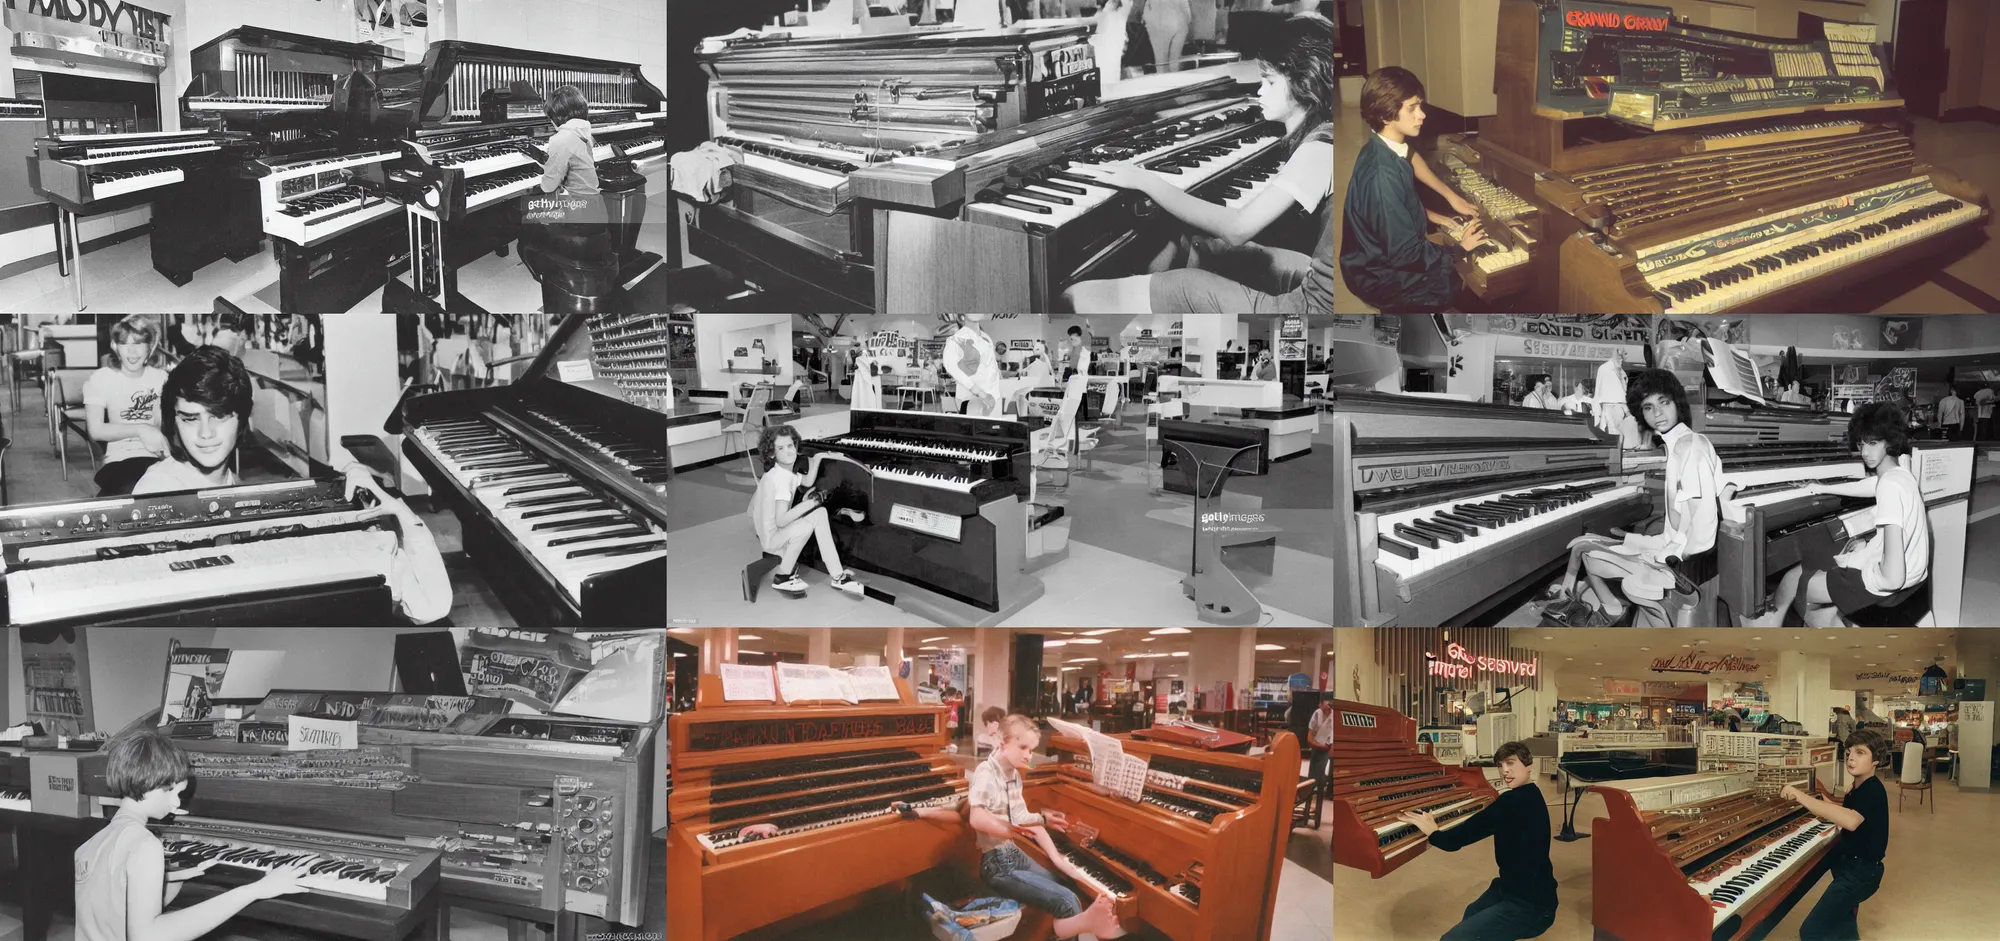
120, 279
1129, 537
34, 474
1969, 148
1920, 895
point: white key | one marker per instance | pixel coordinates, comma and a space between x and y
130, 184
1485, 541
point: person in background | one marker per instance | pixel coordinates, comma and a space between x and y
1267, 370
121, 405
1167, 24
1982, 403
989, 737
1319, 736
1540, 394
1578, 399
1076, 356
1951, 415
232, 333
1794, 394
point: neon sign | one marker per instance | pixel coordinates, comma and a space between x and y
1439, 666
1606, 19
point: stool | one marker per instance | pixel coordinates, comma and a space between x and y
754, 573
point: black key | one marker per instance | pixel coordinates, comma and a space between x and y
579, 523
583, 503
532, 488
609, 534
627, 549
1390, 545
541, 501
1416, 535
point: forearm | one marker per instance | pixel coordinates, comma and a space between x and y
117, 431
1220, 221
1833, 813
195, 921
1865, 487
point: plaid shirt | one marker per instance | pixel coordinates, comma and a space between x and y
996, 786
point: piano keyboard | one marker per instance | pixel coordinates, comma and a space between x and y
332, 874
492, 189
1187, 891
103, 586
1415, 542
255, 103
1448, 815
1849, 470
1184, 168
1739, 277
939, 481
925, 450
1742, 882
284, 171
478, 161
309, 218
715, 844
1765, 494
568, 529
1097, 876
108, 183
16, 800
1489, 255
95, 156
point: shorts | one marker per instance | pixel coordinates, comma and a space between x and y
1011, 873
1250, 279
1849, 593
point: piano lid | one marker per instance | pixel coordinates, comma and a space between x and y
443, 59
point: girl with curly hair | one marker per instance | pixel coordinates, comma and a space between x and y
784, 521
1895, 559
1639, 562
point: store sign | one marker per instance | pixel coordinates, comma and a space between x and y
1696, 663
1357, 720
1591, 16
1895, 678
116, 15
1621, 687
1292, 327
1539, 348
1462, 663
1601, 328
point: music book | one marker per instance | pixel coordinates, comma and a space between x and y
742, 683
1733, 371
873, 683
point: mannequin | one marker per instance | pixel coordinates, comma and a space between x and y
867, 385
1613, 416
970, 360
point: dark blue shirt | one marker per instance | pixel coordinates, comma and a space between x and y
1384, 256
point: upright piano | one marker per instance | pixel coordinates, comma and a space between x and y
873, 204
824, 775
1379, 774
1682, 168
559, 483
470, 125
1444, 508
288, 552
279, 89
948, 499
1717, 855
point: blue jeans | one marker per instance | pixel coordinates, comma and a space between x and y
1833, 918
1496, 916
1012, 874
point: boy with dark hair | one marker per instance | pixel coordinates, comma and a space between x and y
1887, 568
1521, 902
1384, 257
122, 882
1857, 860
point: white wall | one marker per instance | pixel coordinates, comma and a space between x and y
718, 335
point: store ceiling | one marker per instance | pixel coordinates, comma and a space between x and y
1581, 658
1114, 644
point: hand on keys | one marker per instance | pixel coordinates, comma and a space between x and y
283, 880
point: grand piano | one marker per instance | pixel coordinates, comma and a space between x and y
559, 478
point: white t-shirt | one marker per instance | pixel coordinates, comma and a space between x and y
1307, 175
171, 475
1898, 502
1983, 400
1694, 483
775, 491
127, 401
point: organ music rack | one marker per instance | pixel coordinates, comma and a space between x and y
722, 891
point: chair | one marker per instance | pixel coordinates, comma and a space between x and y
755, 417
4, 444
1067, 438
1916, 775
66, 414
791, 398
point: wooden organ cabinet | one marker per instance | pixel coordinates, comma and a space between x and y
1198, 809
1717, 856
1680, 168
545, 819
825, 776
1378, 773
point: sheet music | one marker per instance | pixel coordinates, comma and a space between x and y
1733, 370
811, 681
1110, 767
873, 683
742, 683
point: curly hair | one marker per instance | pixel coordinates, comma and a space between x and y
1880, 421
1382, 95
767, 443
1650, 381
215, 380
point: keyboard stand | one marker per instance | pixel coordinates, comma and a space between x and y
1219, 596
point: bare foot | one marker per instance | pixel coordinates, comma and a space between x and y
1101, 918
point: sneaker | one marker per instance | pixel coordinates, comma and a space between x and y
847, 583
789, 583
